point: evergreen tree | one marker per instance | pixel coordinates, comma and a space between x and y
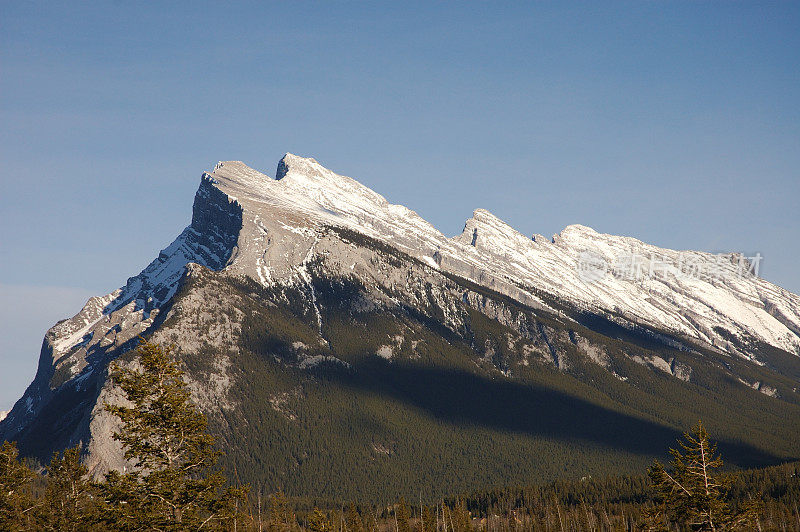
402, 514
427, 520
70, 496
15, 502
172, 484
690, 495
460, 518
353, 520
281, 515
319, 522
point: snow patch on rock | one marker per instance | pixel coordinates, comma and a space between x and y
761, 387
385, 351
672, 366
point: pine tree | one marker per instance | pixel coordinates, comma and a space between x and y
70, 496
172, 484
690, 495
402, 515
461, 520
15, 502
281, 516
353, 519
427, 520
319, 522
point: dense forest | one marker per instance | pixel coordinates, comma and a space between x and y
174, 483
612, 503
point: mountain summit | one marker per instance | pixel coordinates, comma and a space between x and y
327, 331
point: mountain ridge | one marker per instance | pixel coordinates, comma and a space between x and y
502, 239
322, 261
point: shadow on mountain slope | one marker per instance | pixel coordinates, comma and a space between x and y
501, 404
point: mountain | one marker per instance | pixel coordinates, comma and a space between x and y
343, 347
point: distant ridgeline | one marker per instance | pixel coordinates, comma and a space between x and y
343, 348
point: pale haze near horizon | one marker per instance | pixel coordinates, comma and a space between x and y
675, 123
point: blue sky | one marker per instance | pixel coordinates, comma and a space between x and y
676, 123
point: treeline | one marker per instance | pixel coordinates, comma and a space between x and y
614, 503
626, 502
760, 499
172, 482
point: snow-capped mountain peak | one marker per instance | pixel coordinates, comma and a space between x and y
268, 227
309, 227
694, 294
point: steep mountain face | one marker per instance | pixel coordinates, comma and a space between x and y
343, 347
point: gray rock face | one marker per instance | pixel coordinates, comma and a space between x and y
310, 223
703, 297
56, 408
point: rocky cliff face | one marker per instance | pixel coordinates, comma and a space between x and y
55, 408
292, 268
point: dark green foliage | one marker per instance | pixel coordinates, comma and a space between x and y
16, 502
353, 519
402, 514
71, 499
281, 514
319, 522
171, 484
691, 494
611, 503
458, 517
427, 519
605, 504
